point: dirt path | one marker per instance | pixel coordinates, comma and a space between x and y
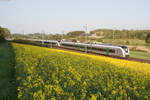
143, 48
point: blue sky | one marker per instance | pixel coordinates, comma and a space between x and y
55, 16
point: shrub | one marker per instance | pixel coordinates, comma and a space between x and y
4, 33
148, 38
127, 42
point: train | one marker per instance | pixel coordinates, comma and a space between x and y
99, 48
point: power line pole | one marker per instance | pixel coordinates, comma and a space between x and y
114, 30
62, 35
23, 35
85, 37
42, 36
113, 34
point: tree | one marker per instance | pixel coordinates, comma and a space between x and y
4, 33
148, 38
75, 33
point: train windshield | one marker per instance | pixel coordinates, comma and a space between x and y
125, 48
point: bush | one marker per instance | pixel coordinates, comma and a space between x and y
100, 40
148, 38
133, 48
4, 33
127, 42
76, 33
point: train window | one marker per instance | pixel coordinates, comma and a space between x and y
125, 48
82, 46
104, 50
112, 51
67, 44
99, 49
89, 47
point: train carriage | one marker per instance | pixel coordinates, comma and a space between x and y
48, 43
105, 49
110, 50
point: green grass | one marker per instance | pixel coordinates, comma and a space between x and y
7, 78
141, 55
125, 41
148, 47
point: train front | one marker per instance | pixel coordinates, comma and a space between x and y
126, 51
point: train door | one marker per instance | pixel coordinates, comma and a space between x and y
107, 51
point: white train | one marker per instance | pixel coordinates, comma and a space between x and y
105, 49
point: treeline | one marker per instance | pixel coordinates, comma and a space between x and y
40, 36
103, 33
98, 34
4, 33
69, 35
121, 34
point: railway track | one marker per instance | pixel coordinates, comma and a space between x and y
92, 53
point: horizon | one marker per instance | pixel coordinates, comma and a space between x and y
64, 16
81, 30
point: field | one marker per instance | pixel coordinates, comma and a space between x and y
44, 74
134, 42
148, 46
140, 55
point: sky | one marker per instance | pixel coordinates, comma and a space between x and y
62, 16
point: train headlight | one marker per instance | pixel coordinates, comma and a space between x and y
126, 50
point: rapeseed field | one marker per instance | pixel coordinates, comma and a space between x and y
50, 74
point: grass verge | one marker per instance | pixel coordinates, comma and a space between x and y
140, 55
7, 72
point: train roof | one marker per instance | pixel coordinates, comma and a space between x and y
85, 44
43, 40
94, 45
